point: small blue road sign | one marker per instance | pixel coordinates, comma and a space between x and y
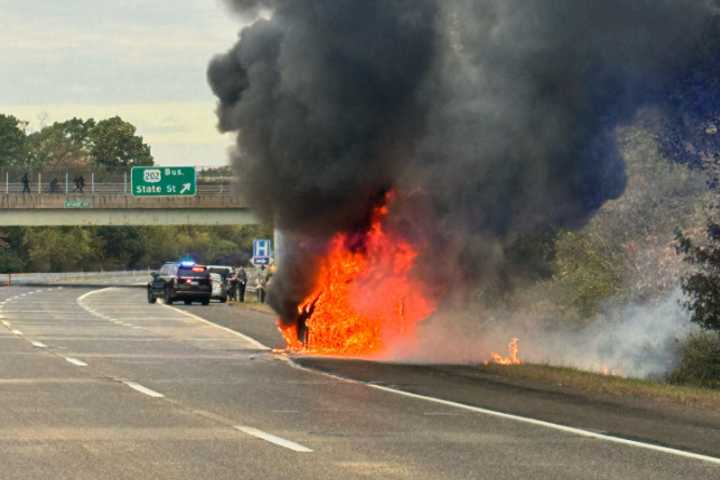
262, 252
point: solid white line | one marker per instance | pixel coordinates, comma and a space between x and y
39, 345
6, 323
250, 340
295, 447
144, 390
553, 426
76, 362
17, 332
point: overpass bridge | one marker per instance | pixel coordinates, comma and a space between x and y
112, 204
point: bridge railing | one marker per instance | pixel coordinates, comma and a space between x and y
94, 183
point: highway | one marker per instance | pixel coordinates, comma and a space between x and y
99, 384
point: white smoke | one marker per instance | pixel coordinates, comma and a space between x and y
638, 340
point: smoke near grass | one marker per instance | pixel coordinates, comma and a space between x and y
493, 119
637, 340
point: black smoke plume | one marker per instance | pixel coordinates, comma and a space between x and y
492, 118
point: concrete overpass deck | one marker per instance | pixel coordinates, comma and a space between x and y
99, 208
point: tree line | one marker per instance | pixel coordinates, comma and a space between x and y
107, 146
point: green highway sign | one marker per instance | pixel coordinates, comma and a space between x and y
77, 203
163, 182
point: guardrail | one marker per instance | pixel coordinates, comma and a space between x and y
120, 278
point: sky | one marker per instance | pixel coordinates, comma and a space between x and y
144, 60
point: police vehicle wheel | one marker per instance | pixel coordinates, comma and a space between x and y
223, 299
151, 298
206, 301
168, 297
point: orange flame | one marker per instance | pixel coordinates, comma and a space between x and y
513, 350
364, 299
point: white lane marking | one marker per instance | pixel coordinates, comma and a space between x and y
517, 418
552, 426
88, 294
282, 442
76, 362
6, 323
17, 332
144, 390
250, 340
39, 345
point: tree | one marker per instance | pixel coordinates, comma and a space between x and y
114, 145
123, 247
62, 249
587, 271
13, 142
702, 287
62, 145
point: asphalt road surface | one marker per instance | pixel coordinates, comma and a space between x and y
101, 385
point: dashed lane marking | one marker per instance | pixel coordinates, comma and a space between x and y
144, 390
75, 361
17, 332
38, 345
268, 437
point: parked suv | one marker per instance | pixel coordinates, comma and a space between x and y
180, 281
221, 284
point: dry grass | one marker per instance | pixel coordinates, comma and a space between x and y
251, 303
598, 384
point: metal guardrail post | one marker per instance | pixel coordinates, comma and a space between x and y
7, 182
125, 182
67, 183
39, 183
92, 182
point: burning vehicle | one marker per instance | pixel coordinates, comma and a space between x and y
405, 145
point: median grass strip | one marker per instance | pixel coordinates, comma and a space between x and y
599, 384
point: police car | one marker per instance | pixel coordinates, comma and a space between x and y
180, 281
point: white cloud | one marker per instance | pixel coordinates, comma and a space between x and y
144, 60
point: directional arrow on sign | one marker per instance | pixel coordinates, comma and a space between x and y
186, 187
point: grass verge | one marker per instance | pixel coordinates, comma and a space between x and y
598, 384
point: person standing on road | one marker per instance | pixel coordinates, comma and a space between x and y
242, 279
25, 183
232, 285
261, 280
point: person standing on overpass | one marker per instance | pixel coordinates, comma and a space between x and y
26, 183
79, 184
